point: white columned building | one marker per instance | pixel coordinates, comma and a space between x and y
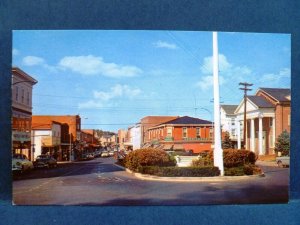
260, 132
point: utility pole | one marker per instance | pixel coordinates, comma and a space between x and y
245, 89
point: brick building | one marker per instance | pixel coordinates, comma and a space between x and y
183, 133
150, 121
89, 140
268, 115
70, 143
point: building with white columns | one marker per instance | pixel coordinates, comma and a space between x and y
268, 115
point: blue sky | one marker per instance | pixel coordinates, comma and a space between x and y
114, 78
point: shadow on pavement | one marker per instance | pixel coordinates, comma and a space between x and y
68, 169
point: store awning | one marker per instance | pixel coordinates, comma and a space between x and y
167, 147
178, 147
127, 143
147, 145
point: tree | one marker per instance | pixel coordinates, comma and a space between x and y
283, 143
227, 143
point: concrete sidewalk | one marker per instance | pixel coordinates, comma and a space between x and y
266, 163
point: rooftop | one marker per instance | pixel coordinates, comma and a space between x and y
279, 94
259, 101
187, 120
229, 109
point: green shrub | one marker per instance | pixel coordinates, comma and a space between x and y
283, 144
236, 157
201, 162
234, 171
180, 171
148, 157
247, 169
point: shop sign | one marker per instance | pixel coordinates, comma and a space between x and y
20, 136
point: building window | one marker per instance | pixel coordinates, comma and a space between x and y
169, 131
211, 132
232, 121
271, 122
17, 93
27, 98
184, 132
233, 132
198, 132
22, 98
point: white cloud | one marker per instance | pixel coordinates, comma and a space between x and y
33, 61
92, 65
207, 66
227, 71
163, 44
15, 52
90, 104
117, 91
207, 82
272, 77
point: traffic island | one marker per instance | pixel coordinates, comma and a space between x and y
191, 179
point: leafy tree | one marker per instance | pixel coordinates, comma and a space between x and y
227, 143
283, 143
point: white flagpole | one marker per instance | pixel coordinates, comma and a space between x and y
218, 152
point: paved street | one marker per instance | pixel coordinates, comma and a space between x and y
99, 181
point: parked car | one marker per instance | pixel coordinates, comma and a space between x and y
111, 153
90, 156
20, 163
105, 154
97, 154
283, 161
45, 161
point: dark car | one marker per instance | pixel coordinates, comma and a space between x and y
45, 161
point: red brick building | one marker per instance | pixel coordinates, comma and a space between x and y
268, 115
150, 121
89, 141
183, 133
72, 125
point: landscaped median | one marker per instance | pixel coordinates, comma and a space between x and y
153, 164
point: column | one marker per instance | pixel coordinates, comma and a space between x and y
252, 138
260, 139
238, 128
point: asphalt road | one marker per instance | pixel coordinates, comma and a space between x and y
100, 182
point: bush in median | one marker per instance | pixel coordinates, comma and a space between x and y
148, 157
180, 171
247, 169
236, 157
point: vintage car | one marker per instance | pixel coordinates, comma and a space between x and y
45, 161
20, 163
283, 161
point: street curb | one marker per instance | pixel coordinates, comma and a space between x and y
191, 179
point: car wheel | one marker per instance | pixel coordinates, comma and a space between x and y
279, 163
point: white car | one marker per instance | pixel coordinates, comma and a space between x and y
21, 163
283, 161
105, 154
